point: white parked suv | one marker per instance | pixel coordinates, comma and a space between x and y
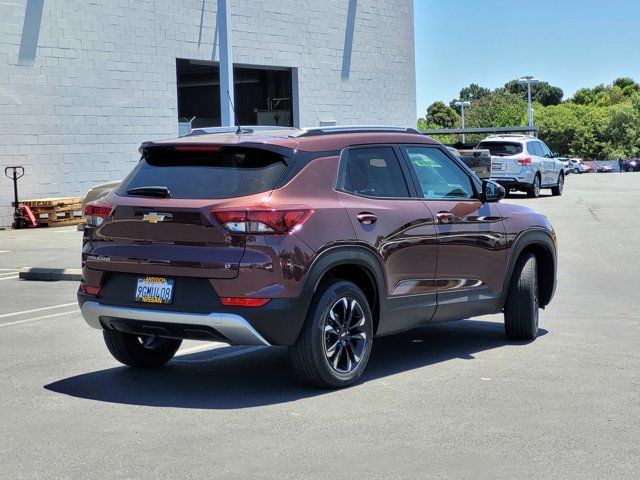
522, 162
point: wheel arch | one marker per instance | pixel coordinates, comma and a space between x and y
541, 244
355, 264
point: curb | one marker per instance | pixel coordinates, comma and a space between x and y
50, 274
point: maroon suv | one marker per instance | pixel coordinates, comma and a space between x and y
316, 239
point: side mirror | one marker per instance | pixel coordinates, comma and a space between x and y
492, 192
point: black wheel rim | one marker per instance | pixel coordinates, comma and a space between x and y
345, 336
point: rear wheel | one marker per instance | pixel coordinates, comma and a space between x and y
334, 345
534, 189
557, 190
140, 351
522, 308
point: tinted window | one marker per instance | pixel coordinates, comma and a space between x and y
501, 149
226, 173
545, 150
374, 172
534, 148
530, 148
438, 175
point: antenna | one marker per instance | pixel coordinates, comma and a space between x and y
239, 131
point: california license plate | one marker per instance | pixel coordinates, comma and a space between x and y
154, 290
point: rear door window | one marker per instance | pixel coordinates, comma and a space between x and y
545, 150
374, 172
221, 172
501, 149
537, 149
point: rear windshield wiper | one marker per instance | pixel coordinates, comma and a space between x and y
151, 191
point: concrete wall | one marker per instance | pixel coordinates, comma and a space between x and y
103, 76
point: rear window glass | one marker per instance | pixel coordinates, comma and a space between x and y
226, 173
501, 149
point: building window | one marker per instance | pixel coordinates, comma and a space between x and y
263, 96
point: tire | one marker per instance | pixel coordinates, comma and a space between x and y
557, 190
576, 171
521, 312
534, 189
140, 351
327, 354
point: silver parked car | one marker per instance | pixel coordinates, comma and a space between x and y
522, 162
577, 166
96, 193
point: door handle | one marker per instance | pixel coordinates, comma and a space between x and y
445, 217
367, 218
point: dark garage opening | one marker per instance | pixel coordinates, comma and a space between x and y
263, 96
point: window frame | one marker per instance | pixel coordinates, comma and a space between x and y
399, 156
476, 184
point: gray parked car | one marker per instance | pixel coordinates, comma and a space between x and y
522, 162
96, 193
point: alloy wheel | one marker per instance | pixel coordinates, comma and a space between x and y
345, 336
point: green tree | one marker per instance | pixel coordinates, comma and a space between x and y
471, 93
542, 92
497, 110
441, 116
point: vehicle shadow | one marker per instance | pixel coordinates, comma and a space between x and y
243, 377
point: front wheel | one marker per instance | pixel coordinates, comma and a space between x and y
557, 190
522, 309
140, 351
334, 345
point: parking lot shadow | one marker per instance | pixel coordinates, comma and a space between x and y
243, 377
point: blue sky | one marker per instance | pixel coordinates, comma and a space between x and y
568, 43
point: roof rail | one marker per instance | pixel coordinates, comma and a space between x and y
317, 131
243, 129
514, 135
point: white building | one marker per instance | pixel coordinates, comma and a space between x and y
82, 84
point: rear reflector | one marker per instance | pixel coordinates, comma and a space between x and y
97, 212
89, 290
259, 220
524, 161
243, 302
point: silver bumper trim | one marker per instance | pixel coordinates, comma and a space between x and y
233, 327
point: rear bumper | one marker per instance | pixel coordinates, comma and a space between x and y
277, 323
511, 182
217, 326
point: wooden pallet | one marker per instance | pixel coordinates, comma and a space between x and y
50, 202
56, 212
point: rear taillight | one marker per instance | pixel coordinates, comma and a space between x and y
259, 220
89, 290
243, 302
524, 161
96, 212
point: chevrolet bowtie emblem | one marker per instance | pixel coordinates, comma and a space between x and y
153, 217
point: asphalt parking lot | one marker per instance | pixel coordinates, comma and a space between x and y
452, 401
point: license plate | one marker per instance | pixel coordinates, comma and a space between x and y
154, 290
496, 166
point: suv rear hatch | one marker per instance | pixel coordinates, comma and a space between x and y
504, 156
161, 221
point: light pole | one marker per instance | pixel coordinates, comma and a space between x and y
462, 106
528, 81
